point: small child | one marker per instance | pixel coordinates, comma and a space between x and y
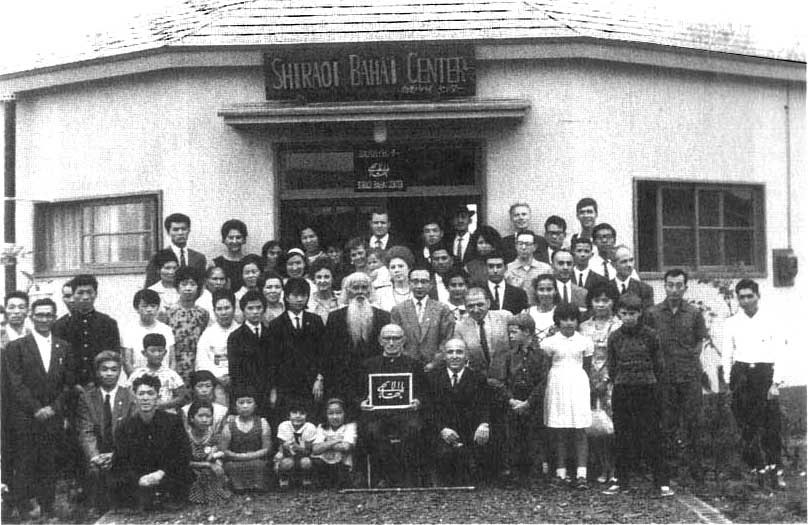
334, 444
247, 444
203, 385
206, 458
187, 320
297, 437
172, 389
382, 292
634, 361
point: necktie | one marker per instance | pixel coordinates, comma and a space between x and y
566, 294
623, 288
459, 248
107, 422
605, 269
378, 243
419, 309
182, 257
496, 297
297, 322
581, 279
454, 379
258, 332
484, 343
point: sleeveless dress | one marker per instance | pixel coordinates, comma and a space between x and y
208, 487
252, 474
599, 332
566, 402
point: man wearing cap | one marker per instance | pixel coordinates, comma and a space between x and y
461, 218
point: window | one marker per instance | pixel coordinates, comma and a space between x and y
116, 233
702, 227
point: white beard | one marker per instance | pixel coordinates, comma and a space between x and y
360, 320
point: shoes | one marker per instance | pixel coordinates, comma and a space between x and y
602, 479
581, 483
666, 492
778, 480
283, 483
613, 489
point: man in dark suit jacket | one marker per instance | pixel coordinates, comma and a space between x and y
431, 235
502, 295
351, 336
562, 271
295, 345
461, 218
38, 381
178, 227
86, 330
248, 352
427, 332
459, 408
101, 410
380, 236
624, 266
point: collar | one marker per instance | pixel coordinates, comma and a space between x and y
683, 305
252, 327
618, 282
88, 315
464, 236
423, 301
112, 393
382, 239
585, 271
459, 373
41, 339
292, 316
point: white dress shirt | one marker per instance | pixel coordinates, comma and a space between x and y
464, 244
44, 346
501, 292
756, 339
622, 286
383, 240
596, 265
296, 319
459, 374
560, 285
420, 313
581, 276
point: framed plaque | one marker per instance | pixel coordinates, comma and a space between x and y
393, 391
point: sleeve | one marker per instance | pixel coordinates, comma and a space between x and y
204, 359
86, 428
701, 327
234, 358
168, 333
611, 354
178, 463
447, 326
285, 433
319, 435
349, 436
152, 272
123, 469
309, 432
546, 346
588, 346
728, 347
656, 355
538, 366
21, 395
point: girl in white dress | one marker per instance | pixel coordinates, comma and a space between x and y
567, 410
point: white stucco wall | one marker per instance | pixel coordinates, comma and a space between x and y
593, 128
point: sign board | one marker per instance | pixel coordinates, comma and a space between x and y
390, 390
379, 72
376, 169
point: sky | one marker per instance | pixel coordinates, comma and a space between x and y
30, 25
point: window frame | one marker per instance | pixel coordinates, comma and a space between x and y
759, 268
40, 231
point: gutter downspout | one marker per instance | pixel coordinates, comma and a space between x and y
10, 188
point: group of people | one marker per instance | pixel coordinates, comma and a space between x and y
521, 353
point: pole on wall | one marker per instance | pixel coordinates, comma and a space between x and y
10, 189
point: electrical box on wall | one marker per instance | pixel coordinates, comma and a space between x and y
784, 263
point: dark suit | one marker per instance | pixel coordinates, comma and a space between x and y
343, 359
295, 359
142, 448
462, 409
194, 260
577, 295
423, 340
31, 388
87, 335
91, 433
640, 289
592, 279
248, 364
514, 299
509, 249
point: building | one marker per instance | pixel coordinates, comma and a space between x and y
690, 136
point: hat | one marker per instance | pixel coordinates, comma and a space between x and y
462, 208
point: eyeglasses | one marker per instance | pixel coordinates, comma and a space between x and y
524, 243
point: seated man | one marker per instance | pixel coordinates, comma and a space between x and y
459, 416
380, 426
152, 453
101, 410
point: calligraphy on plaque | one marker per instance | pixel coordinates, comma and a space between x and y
392, 391
376, 169
379, 72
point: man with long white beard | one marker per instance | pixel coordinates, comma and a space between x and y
351, 336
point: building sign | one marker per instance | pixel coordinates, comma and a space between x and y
378, 169
402, 72
390, 390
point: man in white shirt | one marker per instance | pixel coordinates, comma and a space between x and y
147, 304
751, 351
211, 350
523, 271
380, 236
178, 227
581, 250
568, 292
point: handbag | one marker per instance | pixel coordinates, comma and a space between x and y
601, 422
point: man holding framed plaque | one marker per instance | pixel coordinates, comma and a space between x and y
391, 420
